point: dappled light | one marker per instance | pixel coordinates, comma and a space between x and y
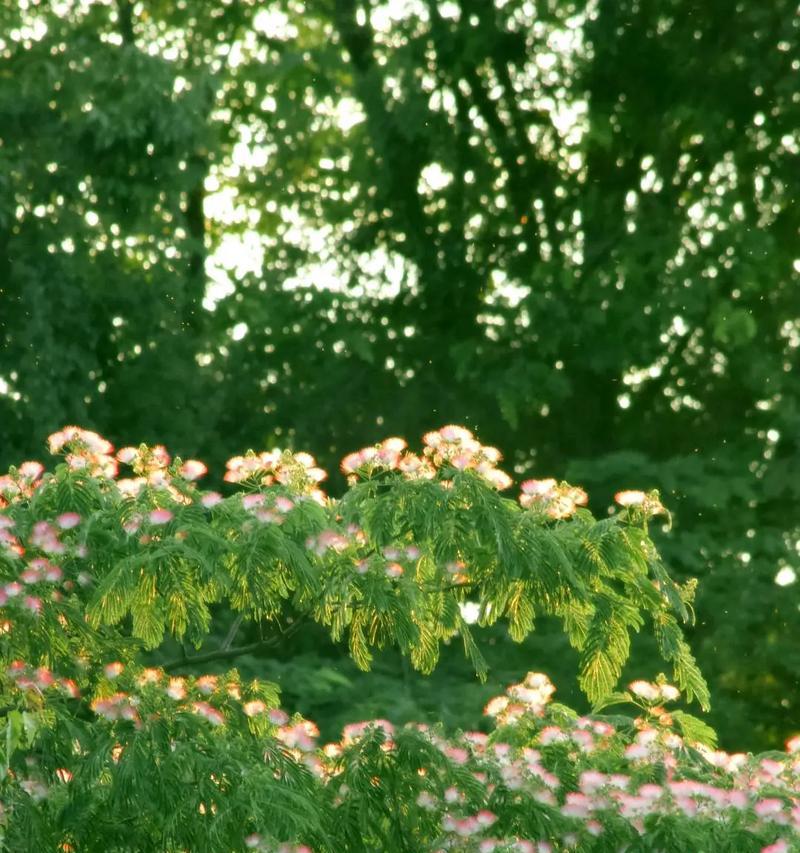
569, 228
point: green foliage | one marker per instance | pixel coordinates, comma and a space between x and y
644, 254
102, 752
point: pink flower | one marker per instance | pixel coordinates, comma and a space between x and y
394, 570
250, 501
16, 668
499, 479
176, 689
648, 503
278, 717
131, 487
771, 767
8, 486
670, 693
636, 751
68, 520
70, 688
455, 433
591, 780
127, 455
462, 461
209, 712
31, 470
112, 670
577, 805
44, 678
539, 489
630, 497
737, 799
645, 690
465, 827
768, 807
351, 463
452, 795
780, 846
551, 734
33, 604
160, 516
432, 439
160, 455
299, 736
457, 754
206, 684
793, 744
149, 676
192, 469
325, 540
496, 706
53, 574
210, 499
253, 708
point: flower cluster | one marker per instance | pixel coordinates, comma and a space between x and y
148, 688
590, 778
20, 482
555, 500
84, 450
353, 731
8, 540
446, 448
393, 560
456, 447
530, 696
271, 509
300, 737
297, 471
647, 502
40, 678
650, 692
38, 578
328, 540
153, 467
387, 454
118, 706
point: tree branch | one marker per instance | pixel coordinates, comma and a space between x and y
225, 652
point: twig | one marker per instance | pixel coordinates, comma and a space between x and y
228, 642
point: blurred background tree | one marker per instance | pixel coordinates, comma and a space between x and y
570, 226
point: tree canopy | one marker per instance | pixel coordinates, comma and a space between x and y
102, 752
571, 226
